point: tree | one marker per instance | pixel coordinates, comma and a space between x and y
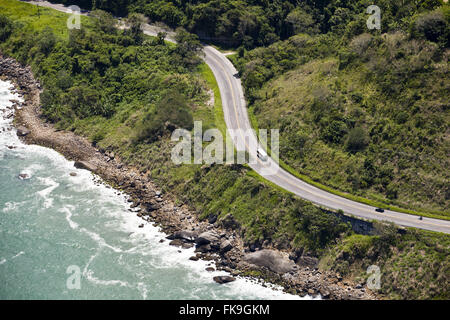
301, 21
433, 27
6, 27
161, 37
135, 22
357, 139
334, 131
188, 48
46, 41
104, 21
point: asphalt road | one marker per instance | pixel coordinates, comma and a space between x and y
236, 118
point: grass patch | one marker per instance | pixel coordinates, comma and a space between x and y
37, 18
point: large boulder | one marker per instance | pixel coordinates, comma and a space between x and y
185, 235
204, 248
85, 165
22, 131
308, 261
207, 237
271, 259
223, 279
176, 243
225, 246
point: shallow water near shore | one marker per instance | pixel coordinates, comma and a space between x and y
52, 223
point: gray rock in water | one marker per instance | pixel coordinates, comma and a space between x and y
24, 176
187, 245
223, 279
185, 235
270, 259
85, 165
207, 238
176, 243
22, 131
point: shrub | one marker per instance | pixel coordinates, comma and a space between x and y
46, 41
301, 21
171, 112
335, 131
104, 21
433, 27
360, 43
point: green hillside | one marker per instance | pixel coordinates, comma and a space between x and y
127, 92
366, 113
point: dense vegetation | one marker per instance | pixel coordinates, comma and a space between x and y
364, 112
99, 72
413, 266
253, 23
127, 92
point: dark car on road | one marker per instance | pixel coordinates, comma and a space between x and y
379, 210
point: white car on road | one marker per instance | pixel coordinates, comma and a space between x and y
261, 154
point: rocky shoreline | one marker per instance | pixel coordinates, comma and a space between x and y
296, 272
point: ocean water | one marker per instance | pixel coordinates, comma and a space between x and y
68, 237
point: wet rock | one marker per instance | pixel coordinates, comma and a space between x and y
24, 176
22, 131
176, 243
271, 259
185, 235
187, 245
85, 165
194, 258
135, 204
73, 174
224, 279
210, 269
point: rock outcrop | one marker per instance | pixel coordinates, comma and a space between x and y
223, 279
85, 165
271, 259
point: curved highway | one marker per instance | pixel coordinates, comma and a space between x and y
236, 118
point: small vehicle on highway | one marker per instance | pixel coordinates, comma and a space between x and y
379, 210
261, 154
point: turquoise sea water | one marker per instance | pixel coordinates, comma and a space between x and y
53, 223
